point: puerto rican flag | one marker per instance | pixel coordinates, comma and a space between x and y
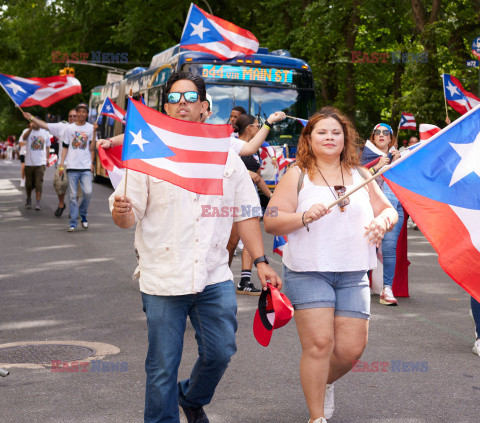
278, 244
439, 185
113, 110
407, 121
190, 155
223, 39
427, 131
44, 92
303, 121
457, 97
111, 159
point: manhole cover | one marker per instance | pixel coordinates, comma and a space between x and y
44, 353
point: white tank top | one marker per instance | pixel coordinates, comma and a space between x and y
335, 242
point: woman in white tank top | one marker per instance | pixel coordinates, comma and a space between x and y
328, 252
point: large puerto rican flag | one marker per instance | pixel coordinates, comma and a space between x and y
439, 185
113, 110
44, 92
458, 97
191, 155
223, 39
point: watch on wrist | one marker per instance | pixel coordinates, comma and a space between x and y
261, 259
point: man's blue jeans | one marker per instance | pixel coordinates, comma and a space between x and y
213, 316
85, 178
390, 240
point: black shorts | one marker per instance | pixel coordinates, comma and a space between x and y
22, 158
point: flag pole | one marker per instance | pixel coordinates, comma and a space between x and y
444, 96
126, 169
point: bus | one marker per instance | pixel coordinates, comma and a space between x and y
261, 83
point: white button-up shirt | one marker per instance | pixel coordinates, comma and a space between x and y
181, 237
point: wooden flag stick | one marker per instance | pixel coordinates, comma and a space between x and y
126, 176
355, 189
445, 98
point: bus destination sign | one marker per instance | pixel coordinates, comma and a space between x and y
246, 73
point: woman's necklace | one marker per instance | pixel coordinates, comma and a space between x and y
343, 203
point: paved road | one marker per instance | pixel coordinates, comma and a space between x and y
59, 286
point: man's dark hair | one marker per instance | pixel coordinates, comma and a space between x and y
240, 109
197, 80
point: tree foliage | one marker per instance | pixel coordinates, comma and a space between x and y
322, 32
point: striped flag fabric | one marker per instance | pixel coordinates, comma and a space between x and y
439, 186
407, 121
210, 34
113, 110
426, 131
278, 244
111, 160
27, 92
190, 155
458, 97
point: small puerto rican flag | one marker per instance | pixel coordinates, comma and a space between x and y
426, 131
113, 110
407, 121
278, 244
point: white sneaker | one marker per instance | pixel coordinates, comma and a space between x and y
476, 347
387, 298
22, 183
319, 420
329, 403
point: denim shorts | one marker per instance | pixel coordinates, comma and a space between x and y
347, 292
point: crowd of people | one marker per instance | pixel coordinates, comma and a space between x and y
330, 295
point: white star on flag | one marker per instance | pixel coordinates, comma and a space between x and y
138, 140
199, 29
108, 108
15, 88
470, 162
452, 88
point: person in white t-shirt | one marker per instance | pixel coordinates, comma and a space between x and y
60, 182
78, 151
37, 142
21, 155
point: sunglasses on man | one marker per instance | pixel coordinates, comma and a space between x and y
385, 132
189, 96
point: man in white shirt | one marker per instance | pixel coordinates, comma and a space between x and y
183, 268
37, 148
79, 150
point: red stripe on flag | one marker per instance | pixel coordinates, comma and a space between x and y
48, 101
182, 127
457, 255
205, 186
206, 157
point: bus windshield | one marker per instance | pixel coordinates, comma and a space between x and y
262, 102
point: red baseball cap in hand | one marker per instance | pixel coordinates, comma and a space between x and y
274, 311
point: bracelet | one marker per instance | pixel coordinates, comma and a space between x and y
268, 124
303, 221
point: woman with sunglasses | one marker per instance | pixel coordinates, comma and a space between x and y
247, 127
380, 151
329, 252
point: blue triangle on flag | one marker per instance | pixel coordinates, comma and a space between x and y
198, 29
140, 141
19, 91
